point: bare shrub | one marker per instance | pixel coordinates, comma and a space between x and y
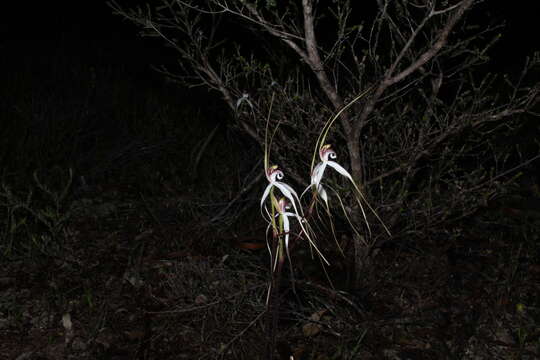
420, 142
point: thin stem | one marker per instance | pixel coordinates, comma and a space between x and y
274, 298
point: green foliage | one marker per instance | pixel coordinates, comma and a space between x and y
35, 224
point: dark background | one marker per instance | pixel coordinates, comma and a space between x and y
41, 42
77, 91
89, 30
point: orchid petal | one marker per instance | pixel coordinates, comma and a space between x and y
266, 193
285, 191
305, 190
245, 97
340, 169
318, 173
288, 187
289, 193
323, 193
286, 227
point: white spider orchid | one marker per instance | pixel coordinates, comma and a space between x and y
276, 214
273, 174
284, 227
327, 155
283, 218
244, 98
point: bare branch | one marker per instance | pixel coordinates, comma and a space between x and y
429, 115
435, 48
390, 79
314, 58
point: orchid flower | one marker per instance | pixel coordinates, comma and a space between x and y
273, 174
327, 155
284, 226
244, 98
283, 217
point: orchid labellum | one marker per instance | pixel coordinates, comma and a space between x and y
283, 218
282, 206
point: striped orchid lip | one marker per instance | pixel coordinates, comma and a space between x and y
326, 152
273, 173
283, 205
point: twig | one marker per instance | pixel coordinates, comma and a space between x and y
241, 193
237, 336
333, 293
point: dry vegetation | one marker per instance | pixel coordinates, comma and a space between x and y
137, 285
152, 246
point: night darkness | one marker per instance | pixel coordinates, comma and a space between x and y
124, 263
91, 31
